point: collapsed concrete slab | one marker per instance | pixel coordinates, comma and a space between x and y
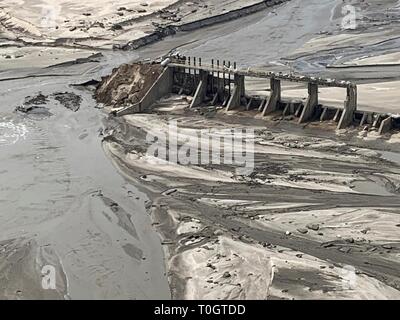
127, 84
161, 87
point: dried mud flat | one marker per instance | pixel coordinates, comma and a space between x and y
313, 212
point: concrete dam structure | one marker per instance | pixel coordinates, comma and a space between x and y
220, 83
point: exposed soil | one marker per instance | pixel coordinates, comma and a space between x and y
127, 84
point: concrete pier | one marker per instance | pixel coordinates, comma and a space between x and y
237, 94
201, 90
350, 106
274, 98
386, 125
311, 103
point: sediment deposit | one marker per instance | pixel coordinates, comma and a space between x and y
312, 210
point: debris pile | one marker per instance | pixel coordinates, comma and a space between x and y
127, 84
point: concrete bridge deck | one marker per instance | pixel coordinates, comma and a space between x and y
381, 97
250, 72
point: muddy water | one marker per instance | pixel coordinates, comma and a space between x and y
60, 193
256, 40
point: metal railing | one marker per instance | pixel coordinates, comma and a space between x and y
226, 67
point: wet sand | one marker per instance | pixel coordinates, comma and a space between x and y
299, 182
338, 187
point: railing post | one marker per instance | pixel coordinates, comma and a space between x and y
212, 78
229, 78
224, 80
